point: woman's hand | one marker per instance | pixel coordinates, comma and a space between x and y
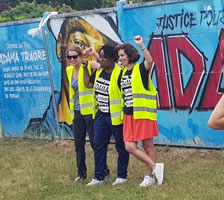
94, 65
138, 39
148, 58
84, 63
89, 51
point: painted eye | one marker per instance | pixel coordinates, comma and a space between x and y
81, 44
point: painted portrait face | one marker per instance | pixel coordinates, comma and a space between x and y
77, 32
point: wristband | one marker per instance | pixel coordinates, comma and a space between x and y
143, 49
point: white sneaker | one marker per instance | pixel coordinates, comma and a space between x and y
158, 172
80, 178
148, 181
119, 181
95, 182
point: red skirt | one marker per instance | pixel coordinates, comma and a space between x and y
135, 130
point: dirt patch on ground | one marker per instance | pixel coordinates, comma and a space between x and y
185, 153
67, 144
164, 152
64, 143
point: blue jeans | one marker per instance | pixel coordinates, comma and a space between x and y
82, 124
103, 130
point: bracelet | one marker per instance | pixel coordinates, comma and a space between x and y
143, 49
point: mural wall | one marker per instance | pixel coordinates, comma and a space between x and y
184, 40
25, 86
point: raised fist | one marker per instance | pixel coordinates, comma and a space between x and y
138, 39
84, 63
89, 51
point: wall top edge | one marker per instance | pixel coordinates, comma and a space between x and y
27, 21
83, 13
153, 3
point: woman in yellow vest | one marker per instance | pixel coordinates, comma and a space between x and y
107, 115
140, 109
80, 105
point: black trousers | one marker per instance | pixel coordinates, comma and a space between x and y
82, 125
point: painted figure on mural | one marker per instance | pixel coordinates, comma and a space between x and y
140, 109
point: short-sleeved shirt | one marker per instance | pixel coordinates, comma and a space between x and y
101, 89
127, 90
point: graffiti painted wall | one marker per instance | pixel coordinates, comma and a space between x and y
184, 40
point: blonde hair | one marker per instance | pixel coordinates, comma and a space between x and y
74, 48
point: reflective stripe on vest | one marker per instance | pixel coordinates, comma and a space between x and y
71, 101
142, 109
146, 96
83, 93
86, 105
72, 112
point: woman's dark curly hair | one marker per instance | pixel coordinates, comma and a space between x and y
109, 52
131, 51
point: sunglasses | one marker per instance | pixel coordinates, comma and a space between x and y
74, 57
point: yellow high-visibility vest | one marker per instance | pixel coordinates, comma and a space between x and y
85, 94
114, 96
144, 101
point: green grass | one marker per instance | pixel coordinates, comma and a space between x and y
40, 169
